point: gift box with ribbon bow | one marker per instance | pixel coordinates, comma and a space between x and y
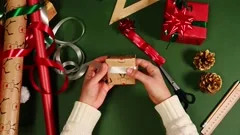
186, 23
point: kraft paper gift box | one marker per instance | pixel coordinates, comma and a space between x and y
117, 70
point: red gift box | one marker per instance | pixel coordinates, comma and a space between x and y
181, 23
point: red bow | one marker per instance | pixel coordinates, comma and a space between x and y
177, 22
126, 24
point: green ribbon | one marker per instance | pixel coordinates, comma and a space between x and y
181, 3
26, 10
173, 39
48, 40
200, 24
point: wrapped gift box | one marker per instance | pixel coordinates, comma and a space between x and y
117, 70
186, 25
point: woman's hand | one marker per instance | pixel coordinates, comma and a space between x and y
153, 81
94, 90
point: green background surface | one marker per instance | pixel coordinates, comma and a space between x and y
127, 109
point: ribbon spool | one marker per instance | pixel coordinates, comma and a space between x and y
74, 73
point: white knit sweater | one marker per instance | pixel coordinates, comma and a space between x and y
83, 119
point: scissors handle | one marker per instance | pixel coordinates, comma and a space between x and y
185, 98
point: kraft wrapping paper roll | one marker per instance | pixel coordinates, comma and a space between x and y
12, 68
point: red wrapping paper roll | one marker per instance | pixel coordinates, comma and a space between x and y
43, 74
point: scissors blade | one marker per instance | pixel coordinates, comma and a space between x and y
174, 85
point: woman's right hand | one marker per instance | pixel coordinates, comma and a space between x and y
153, 81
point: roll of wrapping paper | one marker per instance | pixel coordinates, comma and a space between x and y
11, 79
1, 48
44, 76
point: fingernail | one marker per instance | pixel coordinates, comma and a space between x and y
129, 70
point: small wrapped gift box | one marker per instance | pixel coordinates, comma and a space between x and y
185, 25
117, 70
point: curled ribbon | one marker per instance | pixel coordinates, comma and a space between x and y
80, 22
78, 68
178, 22
126, 26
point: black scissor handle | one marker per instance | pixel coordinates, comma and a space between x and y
185, 105
185, 98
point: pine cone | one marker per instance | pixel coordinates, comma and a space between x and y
204, 60
210, 83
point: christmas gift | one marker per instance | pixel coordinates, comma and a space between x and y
117, 70
185, 23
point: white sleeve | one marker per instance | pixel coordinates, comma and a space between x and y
174, 117
82, 120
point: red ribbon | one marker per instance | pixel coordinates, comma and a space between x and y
44, 76
126, 26
177, 22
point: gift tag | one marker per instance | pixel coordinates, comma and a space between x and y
51, 11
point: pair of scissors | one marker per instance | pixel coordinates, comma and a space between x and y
184, 97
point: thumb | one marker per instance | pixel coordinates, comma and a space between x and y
100, 73
137, 75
